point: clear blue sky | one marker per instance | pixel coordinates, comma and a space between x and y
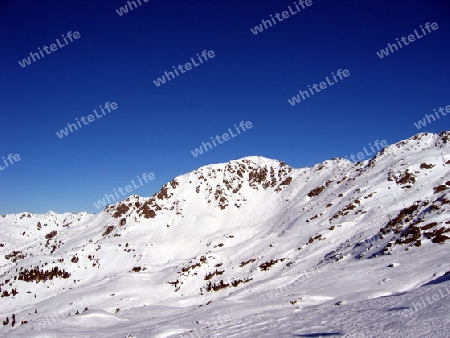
154, 129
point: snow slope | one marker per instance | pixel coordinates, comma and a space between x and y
247, 248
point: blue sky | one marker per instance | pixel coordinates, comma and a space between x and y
251, 77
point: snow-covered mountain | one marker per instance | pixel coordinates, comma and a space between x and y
249, 248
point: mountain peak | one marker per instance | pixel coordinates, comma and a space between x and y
222, 185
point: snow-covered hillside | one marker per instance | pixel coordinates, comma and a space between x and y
249, 248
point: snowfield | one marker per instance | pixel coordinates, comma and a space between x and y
249, 248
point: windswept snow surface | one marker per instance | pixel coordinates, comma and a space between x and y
249, 248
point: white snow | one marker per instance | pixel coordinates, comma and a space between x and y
305, 266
